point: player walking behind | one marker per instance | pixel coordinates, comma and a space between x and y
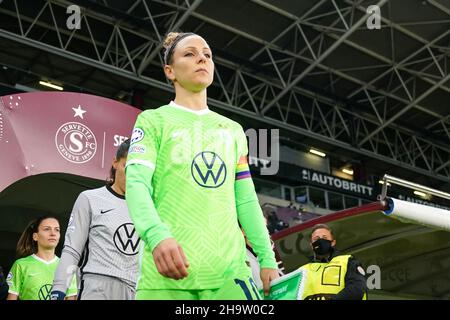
100, 227
31, 276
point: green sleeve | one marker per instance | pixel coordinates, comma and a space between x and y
141, 207
249, 211
14, 279
252, 220
72, 290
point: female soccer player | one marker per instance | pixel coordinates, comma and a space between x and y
31, 276
188, 185
101, 228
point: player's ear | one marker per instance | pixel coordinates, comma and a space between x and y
168, 71
115, 163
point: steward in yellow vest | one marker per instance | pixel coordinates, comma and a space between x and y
331, 275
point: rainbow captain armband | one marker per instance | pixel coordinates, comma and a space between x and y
242, 169
57, 295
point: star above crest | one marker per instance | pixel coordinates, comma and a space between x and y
78, 112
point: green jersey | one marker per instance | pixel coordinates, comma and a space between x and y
31, 278
196, 158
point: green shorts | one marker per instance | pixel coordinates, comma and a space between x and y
243, 288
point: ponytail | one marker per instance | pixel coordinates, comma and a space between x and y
26, 245
122, 152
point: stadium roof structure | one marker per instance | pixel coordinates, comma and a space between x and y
311, 68
402, 260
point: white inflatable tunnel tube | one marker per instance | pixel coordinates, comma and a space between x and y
418, 214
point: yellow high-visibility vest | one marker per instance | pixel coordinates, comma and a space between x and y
324, 280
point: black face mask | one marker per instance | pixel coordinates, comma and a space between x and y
322, 247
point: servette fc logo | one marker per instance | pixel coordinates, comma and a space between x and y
208, 170
75, 142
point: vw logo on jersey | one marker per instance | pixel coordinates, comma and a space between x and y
45, 292
208, 169
126, 239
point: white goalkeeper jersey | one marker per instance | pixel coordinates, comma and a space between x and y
100, 238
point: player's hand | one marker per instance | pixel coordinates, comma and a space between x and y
268, 275
170, 259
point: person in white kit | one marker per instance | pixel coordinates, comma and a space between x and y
102, 241
252, 261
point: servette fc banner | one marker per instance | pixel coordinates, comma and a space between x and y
46, 132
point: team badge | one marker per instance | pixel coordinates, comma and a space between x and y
75, 142
138, 135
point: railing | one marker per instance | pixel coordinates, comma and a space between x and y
390, 179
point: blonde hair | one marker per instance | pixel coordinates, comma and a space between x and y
171, 41
322, 226
170, 38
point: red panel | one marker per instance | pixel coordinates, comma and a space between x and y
61, 132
